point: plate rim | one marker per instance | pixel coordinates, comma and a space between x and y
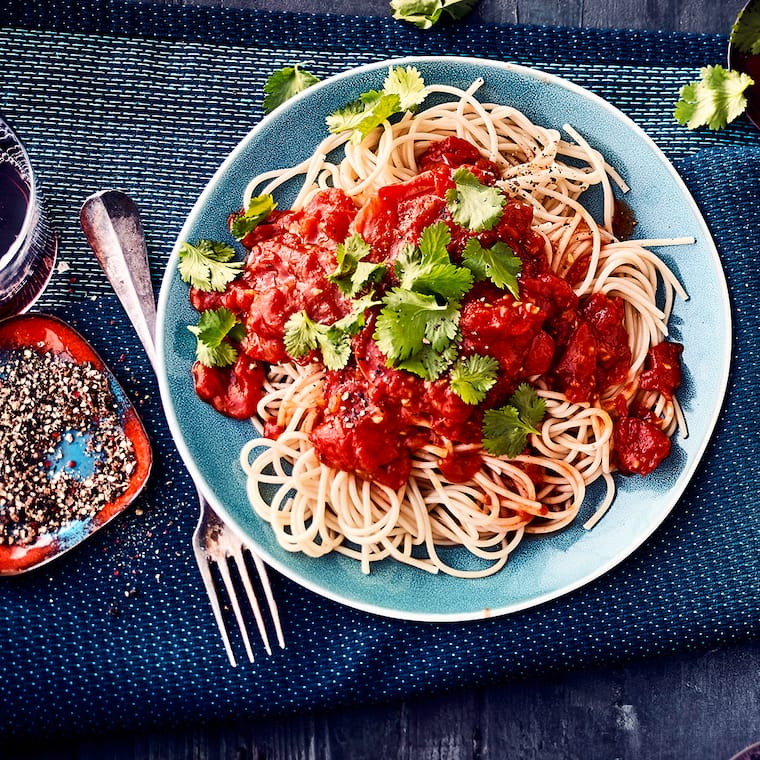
685, 476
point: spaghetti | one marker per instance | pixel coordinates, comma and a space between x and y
579, 278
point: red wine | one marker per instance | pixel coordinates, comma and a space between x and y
27, 248
14, 203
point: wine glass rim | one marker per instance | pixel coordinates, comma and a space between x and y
9, 139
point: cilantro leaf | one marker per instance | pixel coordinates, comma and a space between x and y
714, 100
408, 84
303, 334
258, 209
428, 363
207, 266
409, 321
403, 90
284, 84
530, 406
473, 376
472, 204
498, 264
425, 13
428, 269
370, 110
745, 33
352, 273
506, 430
300, 334
214, 326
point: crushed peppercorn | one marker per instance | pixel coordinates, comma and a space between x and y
64, 454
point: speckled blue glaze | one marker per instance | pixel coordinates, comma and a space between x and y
540, 569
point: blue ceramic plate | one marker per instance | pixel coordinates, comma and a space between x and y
540, 569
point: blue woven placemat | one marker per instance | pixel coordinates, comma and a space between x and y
151, 99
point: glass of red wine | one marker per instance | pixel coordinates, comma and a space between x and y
27, 243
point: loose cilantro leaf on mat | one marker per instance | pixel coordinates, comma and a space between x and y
284, 84
258, 209
207, 265
473, 376
214, 331
425, 13
714, 100
498, 264
403, 90
303, 334
506, 430
353, 274
472, 204
745, 33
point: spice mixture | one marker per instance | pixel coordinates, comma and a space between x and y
63, 452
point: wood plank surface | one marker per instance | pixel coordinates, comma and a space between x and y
701, 707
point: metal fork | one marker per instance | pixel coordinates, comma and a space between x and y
111, 222
215, 544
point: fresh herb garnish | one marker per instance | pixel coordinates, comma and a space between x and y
425, 13
472, 377
506, 430
428, 269
497, 263
714, 100
353, 274
403, 90
207, 265
257, 210
745, 33
303, 334
214, 331
472, 204
284, 84
421, 315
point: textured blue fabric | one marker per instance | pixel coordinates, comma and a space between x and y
118, 633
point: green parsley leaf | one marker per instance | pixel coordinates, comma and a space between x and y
714, 100
284, 84
472, 204
403, 90
473, 376
303, 334
352, 274
215, 328
506, 430
498, 264
207, 266
745, 33
425, 13
258, 209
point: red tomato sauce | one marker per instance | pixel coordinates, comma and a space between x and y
375, 416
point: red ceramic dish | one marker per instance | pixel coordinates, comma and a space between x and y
47, 335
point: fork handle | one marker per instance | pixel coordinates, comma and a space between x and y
111, 222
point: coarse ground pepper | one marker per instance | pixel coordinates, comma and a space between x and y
50, 407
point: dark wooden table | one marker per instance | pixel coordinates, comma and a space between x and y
703, 706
